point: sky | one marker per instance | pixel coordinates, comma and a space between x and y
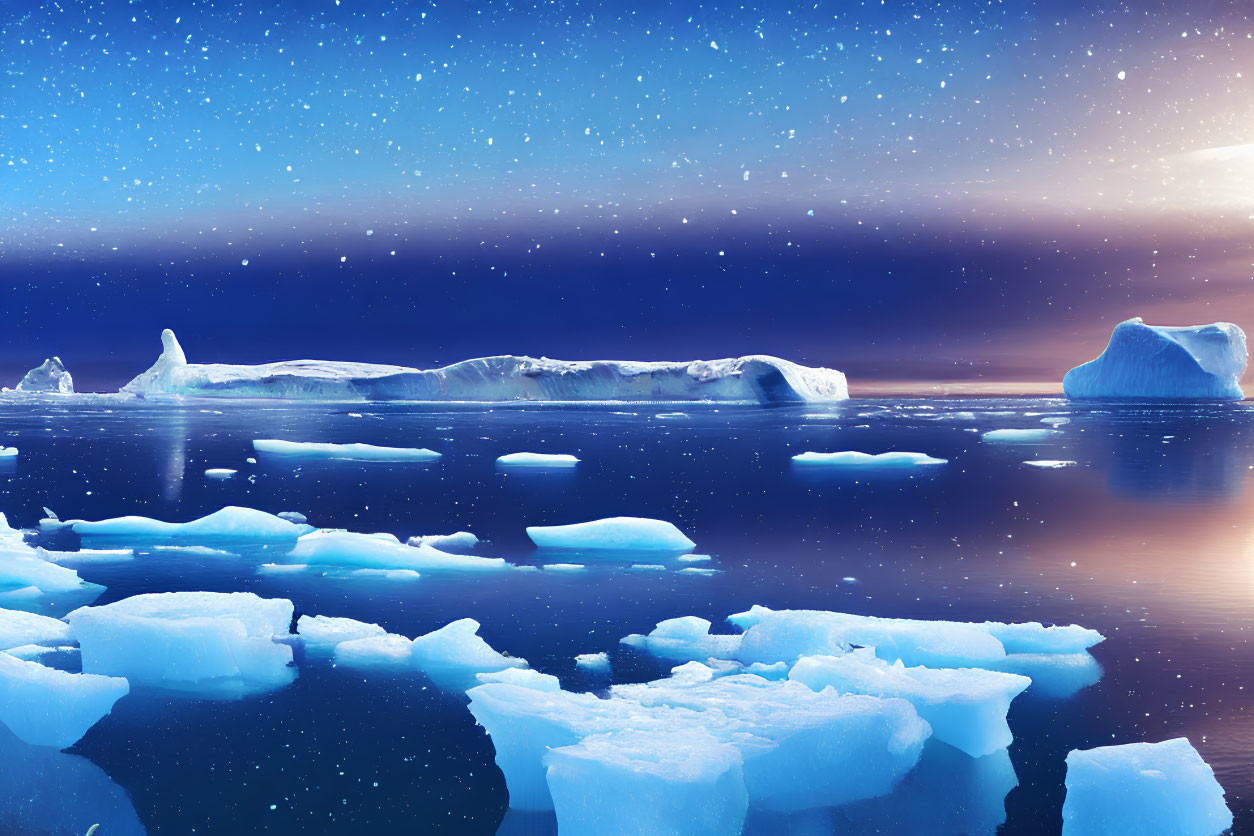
971, 191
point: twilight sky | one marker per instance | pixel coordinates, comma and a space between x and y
909, 191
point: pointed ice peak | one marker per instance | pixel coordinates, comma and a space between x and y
50, 376
171, 351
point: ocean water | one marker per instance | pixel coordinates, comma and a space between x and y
1149, 538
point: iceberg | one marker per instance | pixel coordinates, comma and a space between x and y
1018, 436
367, 551
1050, 464
220, 473
798, 748
525, 677
459, 542
1197, 362
232, 523
50, 376
8, 452
614, 533
753, 379
597, 662
537, 460
1136, 788
49, 707
182, 639
686, 639
627, 783
878, 461
346, 452
387, 651
966, 707
452, 656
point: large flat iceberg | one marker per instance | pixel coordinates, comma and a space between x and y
1138, 788
231, 524
856, 460
329, 547
348, 452
755, 378
1159, 362
614, 534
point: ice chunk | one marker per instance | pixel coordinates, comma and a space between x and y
18, 628
366, 551
387, 574
597, 662
879, 461
537, 460
1053, 675
1050, 464
8, 452
291, 516
563, 567
386, 651
452, 655
459, 542
28, 582
1137, 788
51, 376
524, 677
614, 533
1034, 637
754, 379
49, 707
686, 639
179, 639
87, 556
349, 452
966, 707
323, 632
220, 473
232, 524
1158, 362
636, 782
1018, 436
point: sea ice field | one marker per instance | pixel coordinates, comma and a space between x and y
1131, 521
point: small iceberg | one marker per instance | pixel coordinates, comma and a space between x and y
460, 542
343, 452
596, 662
877, 461
323, 633
1194, 362
537, 460
452, 656
29, 582
8, 452
329, 547
19, 628
1050, 464
1162, 788
49, 377
1019, 436
49, 707
614, 533
220, 473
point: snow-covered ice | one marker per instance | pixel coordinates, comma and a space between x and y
323, 632
1140, 788
220, 473
18, 628
1159, 362
368, 551
346, 452
857, 460
1050, 464
29, 582
459, 542
755, 378
179, 639
231, 523
50, 376
614, 533
451, 656
598, 662
537, 460
8, 452
525, 677
49, 707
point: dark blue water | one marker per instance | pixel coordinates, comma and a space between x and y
1150, 539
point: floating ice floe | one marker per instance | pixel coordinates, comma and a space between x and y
797, 748
459, 542
87, 556
347, 452
29, 582
232, 523
524, 677
1139, 788
966, 707
451, 656
8, 452
49, 707
220, 473
1159, 362
49, 377
1019, 436
598, 662
614, 533
186, 640
1050, 464
367, 551
322, 632
857, 460
537, 460
19, 628
755, 378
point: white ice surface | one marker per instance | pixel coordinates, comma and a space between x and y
856, 460
367, 551
537, 460
49, 377
18, 628
614, 533
460, 542
231, 523
348, 452
49, 707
